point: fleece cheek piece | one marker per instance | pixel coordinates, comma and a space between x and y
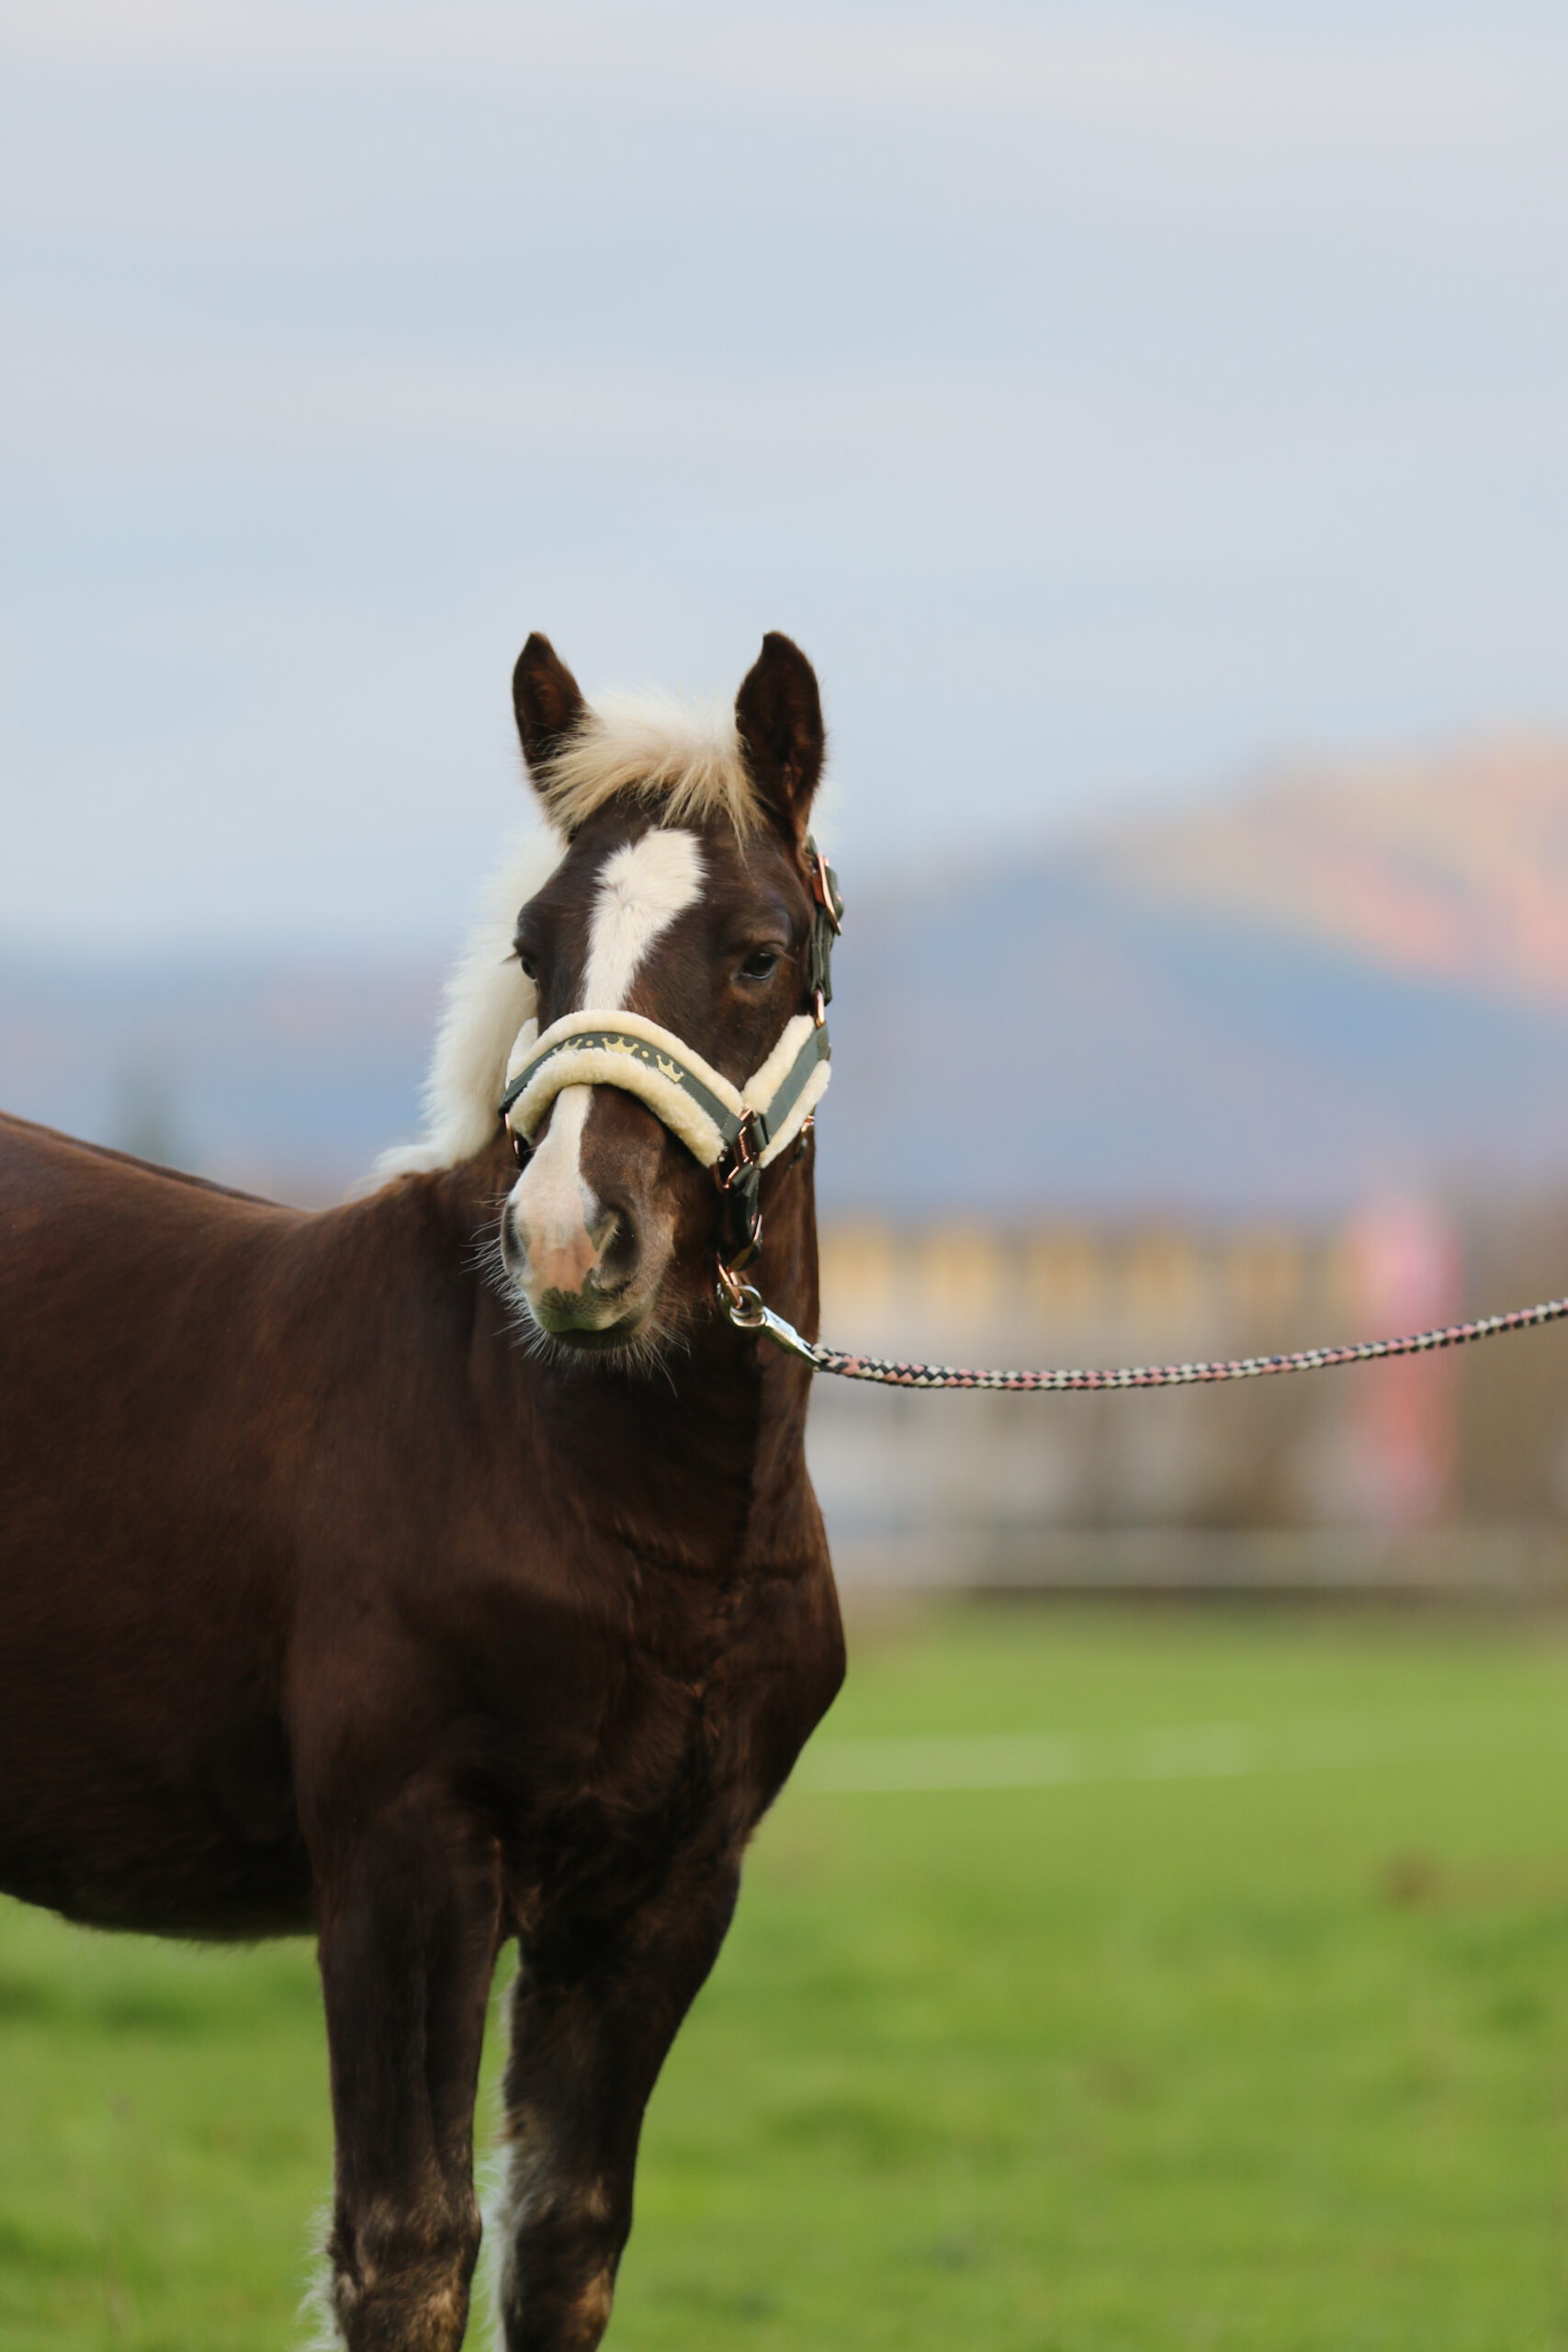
695, 1101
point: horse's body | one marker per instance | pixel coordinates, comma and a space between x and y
329, 1606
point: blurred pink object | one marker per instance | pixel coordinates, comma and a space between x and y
1406, 1272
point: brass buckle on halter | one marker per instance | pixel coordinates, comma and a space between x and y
826, 927
737, 1174
743, 1154
822, 888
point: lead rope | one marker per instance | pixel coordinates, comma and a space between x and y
738, 1171
748, 1313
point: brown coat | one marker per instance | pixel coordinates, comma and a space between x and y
328, 1605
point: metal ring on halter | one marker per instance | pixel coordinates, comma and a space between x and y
743, 1301
749, 1312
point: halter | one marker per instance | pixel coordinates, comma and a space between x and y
736, 1131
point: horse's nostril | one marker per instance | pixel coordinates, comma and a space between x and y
603, 1229
616, 1239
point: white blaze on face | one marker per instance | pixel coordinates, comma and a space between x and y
642, 887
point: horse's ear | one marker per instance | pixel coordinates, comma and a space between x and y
778, 715
547, 700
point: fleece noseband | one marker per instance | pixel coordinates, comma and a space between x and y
736, 1131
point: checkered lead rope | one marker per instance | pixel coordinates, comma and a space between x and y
750, 1315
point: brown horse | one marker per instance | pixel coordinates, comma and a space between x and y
442, 1569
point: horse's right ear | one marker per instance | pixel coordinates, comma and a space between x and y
547, 700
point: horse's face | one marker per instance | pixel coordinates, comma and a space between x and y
609, 1232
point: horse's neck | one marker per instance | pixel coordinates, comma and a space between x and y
700, 1455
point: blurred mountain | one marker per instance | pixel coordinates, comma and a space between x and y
1448, 870
1332, 985
281, 1072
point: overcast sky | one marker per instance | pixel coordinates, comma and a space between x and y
1107, 398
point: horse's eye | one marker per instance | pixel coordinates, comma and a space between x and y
527, 964
760, 964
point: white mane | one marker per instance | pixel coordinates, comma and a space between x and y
684, 756
487, 998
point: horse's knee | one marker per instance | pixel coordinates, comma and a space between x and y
400, 2277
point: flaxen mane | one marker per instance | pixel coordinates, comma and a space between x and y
684, 756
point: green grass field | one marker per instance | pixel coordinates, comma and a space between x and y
1236, 2020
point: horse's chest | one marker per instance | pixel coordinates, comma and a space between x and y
675, 1732
696, 1725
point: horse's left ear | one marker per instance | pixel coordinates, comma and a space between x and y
778, 715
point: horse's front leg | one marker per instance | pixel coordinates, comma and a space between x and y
592, 2019
409, 1933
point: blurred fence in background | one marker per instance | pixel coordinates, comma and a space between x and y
1439, 1473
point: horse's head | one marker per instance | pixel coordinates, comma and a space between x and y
681, 909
